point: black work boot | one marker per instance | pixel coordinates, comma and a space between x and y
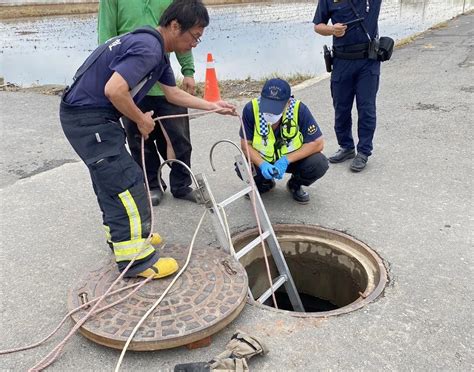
297, 192
359, 162
265, 186
156, 196
189, 196
342, 155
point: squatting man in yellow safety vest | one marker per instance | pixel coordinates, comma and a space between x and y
284, 138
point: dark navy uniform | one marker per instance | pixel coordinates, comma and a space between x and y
90, 123
351, 78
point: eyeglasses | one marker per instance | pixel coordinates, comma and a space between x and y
197, 40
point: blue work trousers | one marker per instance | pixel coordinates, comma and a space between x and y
357, 78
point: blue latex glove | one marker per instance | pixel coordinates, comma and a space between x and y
268, 170
281, 164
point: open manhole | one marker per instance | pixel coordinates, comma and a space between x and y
333, 272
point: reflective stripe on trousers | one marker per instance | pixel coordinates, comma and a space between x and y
117, 181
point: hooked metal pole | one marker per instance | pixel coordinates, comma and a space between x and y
199, 194
214, 146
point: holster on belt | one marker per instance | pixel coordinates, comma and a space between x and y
327, 58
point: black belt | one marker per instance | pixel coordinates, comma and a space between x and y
110, 112
355, 51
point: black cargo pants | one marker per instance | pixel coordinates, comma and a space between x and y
99, 140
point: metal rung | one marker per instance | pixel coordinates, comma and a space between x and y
268, 236
252, 244
235, 196
276, 284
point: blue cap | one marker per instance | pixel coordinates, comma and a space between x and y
275, 94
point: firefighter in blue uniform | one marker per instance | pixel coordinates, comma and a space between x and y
110, 83
354, 74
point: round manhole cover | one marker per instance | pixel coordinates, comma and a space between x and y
334, 273
209, 294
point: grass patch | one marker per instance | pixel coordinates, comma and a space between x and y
230, 89
438, 26
410, 39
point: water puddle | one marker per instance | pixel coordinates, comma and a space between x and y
251, 40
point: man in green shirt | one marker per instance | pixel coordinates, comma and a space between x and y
172, 139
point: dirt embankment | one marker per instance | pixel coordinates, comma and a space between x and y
229, 89
41, 10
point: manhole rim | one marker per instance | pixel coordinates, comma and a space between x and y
171, 343
378, 262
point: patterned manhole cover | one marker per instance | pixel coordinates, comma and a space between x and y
208, 296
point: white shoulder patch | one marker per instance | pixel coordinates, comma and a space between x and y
312, 129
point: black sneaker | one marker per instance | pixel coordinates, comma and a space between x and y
342, 155
359, 162
297, 192
156, 196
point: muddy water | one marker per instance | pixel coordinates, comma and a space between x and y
252, 40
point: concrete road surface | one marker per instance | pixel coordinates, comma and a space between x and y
413, 205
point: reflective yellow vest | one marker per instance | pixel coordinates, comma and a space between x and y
264, 140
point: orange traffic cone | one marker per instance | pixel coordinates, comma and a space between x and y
211, 88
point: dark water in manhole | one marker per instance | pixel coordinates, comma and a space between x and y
324, 284
311, 304
333, 272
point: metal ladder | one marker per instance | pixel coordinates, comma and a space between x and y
268, 234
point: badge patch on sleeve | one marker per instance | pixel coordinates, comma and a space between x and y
312, 129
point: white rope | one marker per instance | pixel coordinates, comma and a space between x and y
124, 350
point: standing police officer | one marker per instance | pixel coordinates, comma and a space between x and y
110, 83
354, 74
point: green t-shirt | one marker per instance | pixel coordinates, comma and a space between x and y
117, 17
